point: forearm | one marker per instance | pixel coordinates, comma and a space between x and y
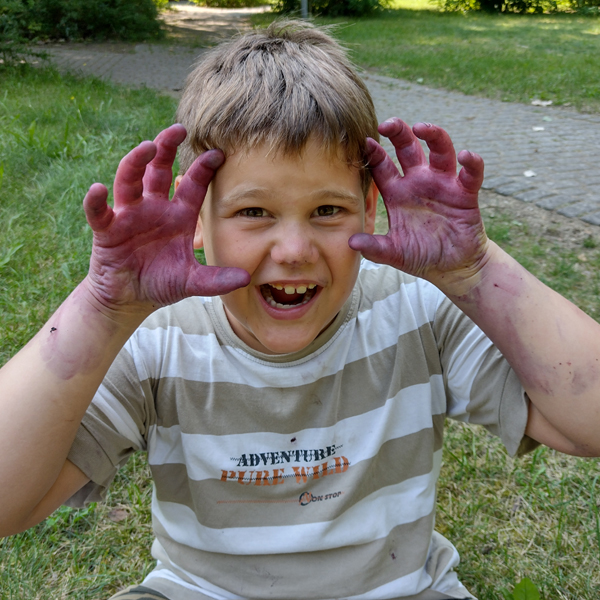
46, 389
552, 345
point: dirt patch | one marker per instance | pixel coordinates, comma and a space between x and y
564, 232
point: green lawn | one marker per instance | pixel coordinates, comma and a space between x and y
505, 57
537, 516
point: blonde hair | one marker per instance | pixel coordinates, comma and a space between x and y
279, 86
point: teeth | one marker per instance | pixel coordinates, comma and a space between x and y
290, 289
285, 306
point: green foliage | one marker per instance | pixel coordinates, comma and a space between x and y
520, 6
13, 23
332, 8
231, 3
591, 7
524, 590
501, 6
131, 20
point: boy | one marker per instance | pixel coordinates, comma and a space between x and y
293, 414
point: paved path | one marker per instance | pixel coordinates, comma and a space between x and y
558, 148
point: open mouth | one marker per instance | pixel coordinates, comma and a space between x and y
289, 296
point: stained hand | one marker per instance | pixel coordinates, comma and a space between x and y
142, 255
434, 223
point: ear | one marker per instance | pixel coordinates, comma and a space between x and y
198, 236
371, 208
198, 239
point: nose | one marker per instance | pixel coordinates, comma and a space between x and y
294, 245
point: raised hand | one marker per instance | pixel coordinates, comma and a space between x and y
142, 255
434, 223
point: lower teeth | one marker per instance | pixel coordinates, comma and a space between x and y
278, 305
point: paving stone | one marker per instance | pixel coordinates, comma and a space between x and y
494, 182
594, 218
511, 189
533, 195
554, 202
580, 208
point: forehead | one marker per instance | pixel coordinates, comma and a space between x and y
260, 173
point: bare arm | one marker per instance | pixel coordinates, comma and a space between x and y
142, 259
436, 233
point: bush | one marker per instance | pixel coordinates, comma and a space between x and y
332, 8
586, 6
130, 20
520, 6
231, 3
500, 6
13, 24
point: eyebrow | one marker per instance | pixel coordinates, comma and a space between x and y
259, 193
336, 194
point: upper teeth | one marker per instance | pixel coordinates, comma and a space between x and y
290, 289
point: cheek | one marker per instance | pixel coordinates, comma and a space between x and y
234, 248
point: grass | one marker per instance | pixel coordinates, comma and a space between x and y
537, 516
513, 58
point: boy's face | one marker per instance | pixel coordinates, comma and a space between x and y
287, 221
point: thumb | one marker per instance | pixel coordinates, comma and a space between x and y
215, 281
376, 248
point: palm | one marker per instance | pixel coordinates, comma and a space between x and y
434, 221
143, 248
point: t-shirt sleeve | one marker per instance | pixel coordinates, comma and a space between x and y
114, 427
481, 386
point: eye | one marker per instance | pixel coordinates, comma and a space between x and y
253, 212
327, 210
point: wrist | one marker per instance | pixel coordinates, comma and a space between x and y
122, 315
461, 284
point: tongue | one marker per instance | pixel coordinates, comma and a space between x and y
283, 298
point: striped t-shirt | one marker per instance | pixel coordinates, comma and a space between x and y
310, 475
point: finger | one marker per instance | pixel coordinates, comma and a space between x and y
97, 212
194, 184
384, 171
441, 149
376, 248
471, 175
128, 186
215, 281
408, 148
159, 172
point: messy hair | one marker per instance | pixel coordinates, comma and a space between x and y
279, 86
